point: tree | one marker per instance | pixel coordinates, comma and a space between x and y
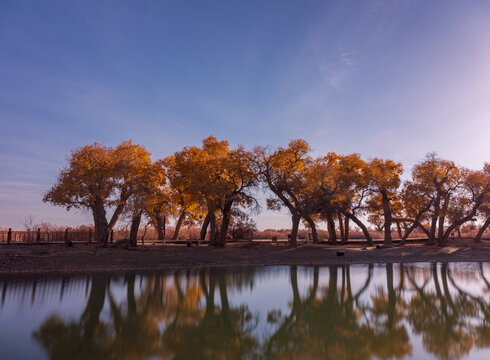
415, 203
384, 180
471, 195
182, 203
442, 178
318, 191
131, 164
348, 196
98, 177
148, 199
239, 179
158, 204
215, 178
285, 171
484, 211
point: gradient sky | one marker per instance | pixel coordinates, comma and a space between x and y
385, 78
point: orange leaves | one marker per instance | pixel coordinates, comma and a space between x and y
212, 174
214, 177
436, 172
383, 177
87, 176
98, 171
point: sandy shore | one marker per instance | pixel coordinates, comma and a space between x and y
52, 259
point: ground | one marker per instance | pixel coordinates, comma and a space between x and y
57, 258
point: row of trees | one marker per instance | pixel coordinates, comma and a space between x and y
213, 184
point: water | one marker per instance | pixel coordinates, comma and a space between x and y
419, 311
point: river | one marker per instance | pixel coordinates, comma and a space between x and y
381, 311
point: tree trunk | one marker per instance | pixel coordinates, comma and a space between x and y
159, 225
115, 216
359, 223
408, 232
459, 233
178, 225
482, 230
133, 233
204, 227
312, 226
294, 231
399, 230
346, 229
225, 223
101, 231
416, 223
426, 232
332, 234
460, 222
442, 217
435, 216
341, 228
388, 219
212, 228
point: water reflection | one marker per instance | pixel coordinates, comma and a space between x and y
337, 312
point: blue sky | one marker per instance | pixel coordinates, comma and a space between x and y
386, 78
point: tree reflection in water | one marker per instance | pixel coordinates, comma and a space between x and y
189, 315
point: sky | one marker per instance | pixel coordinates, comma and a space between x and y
384, 78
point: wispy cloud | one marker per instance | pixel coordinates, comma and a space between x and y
338, 68
18, 184
179, 125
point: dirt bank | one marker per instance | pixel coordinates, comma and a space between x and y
24, 259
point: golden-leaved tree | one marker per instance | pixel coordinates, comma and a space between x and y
442, 178
98, 177
292, 176
415, 201
215, 178
158, 203
467, 200
352, 179
150, 198
456, 194
484, 211
384, 180
184, 202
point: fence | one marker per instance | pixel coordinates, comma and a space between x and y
55, 236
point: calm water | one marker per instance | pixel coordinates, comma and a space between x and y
339, 312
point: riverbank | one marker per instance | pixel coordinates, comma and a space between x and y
56, 258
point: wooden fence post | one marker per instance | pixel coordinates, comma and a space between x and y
9, 236
38, 235
90, 236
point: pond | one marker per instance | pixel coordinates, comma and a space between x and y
423, 310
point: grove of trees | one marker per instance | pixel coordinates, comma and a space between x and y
214, 185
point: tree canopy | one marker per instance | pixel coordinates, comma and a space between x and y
213, 184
